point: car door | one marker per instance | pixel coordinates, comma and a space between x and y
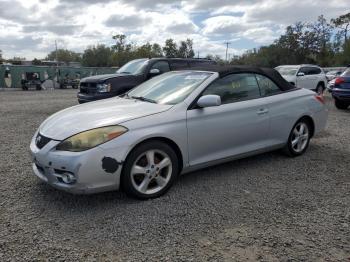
239, 125
307, 81
280, 114
314, 76
303, 80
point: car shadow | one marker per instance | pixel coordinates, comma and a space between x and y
42, 194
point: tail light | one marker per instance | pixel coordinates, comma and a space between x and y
320, 98
339, 80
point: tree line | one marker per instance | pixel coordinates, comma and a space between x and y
122, 52
322, 42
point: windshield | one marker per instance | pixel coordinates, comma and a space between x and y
290, 71
346, 72
169, 88
134, 67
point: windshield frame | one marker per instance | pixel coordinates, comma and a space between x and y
204, 81
140, 70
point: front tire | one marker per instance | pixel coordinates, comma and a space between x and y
340, 104
150, 170
299, 138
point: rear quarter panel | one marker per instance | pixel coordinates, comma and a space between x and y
287, 108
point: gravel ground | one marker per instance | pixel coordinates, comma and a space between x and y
266, 208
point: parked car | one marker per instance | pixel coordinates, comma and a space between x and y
31, 80
68, 81
340, 90
130, 75
333, 74
306, 76
174, 123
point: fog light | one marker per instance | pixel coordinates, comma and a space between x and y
68, 178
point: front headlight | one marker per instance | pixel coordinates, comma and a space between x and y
103, 88
91, 138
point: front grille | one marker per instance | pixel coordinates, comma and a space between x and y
87, 88
41, 141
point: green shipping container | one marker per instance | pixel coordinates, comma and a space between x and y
11, 76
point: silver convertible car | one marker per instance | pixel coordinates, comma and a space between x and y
173, 124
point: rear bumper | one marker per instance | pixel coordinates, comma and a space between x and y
320, 120
83, 98
341, 94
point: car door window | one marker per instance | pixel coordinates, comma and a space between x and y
234, 88
267, 86
315, 71
162, 66
304, 70
311, 71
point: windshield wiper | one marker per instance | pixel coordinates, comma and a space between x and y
124, 72
141, 98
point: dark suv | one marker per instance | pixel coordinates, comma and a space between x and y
132, 74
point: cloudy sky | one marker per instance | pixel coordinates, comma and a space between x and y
29, 28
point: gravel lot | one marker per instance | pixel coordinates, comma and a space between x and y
266, 208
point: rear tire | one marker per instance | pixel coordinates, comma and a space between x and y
340, 104
319, 89
299, 138
149, 170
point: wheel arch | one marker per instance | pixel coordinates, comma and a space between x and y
321, 83
310, 120
165, 140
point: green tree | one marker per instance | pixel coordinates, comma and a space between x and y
144, 51
157, 50
98, 56
123, 51
170, 48
0, 55
186, 49
36, 62
64, 55
322, 32
343, 25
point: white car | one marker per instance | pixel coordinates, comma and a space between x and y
174, 123
333, 74
310, 77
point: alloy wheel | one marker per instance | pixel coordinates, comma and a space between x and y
151, 172
300, 137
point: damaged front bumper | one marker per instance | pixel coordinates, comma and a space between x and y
91, 171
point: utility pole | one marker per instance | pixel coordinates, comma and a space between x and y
54, 82
198, 55
227, 43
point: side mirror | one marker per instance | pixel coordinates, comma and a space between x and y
301, 74
209, 101
154, 71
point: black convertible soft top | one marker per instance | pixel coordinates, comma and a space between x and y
268, 72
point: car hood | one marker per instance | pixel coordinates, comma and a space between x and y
102, 113
101, 78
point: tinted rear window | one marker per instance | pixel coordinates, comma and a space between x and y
178, 64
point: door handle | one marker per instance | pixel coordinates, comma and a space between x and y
262, 111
